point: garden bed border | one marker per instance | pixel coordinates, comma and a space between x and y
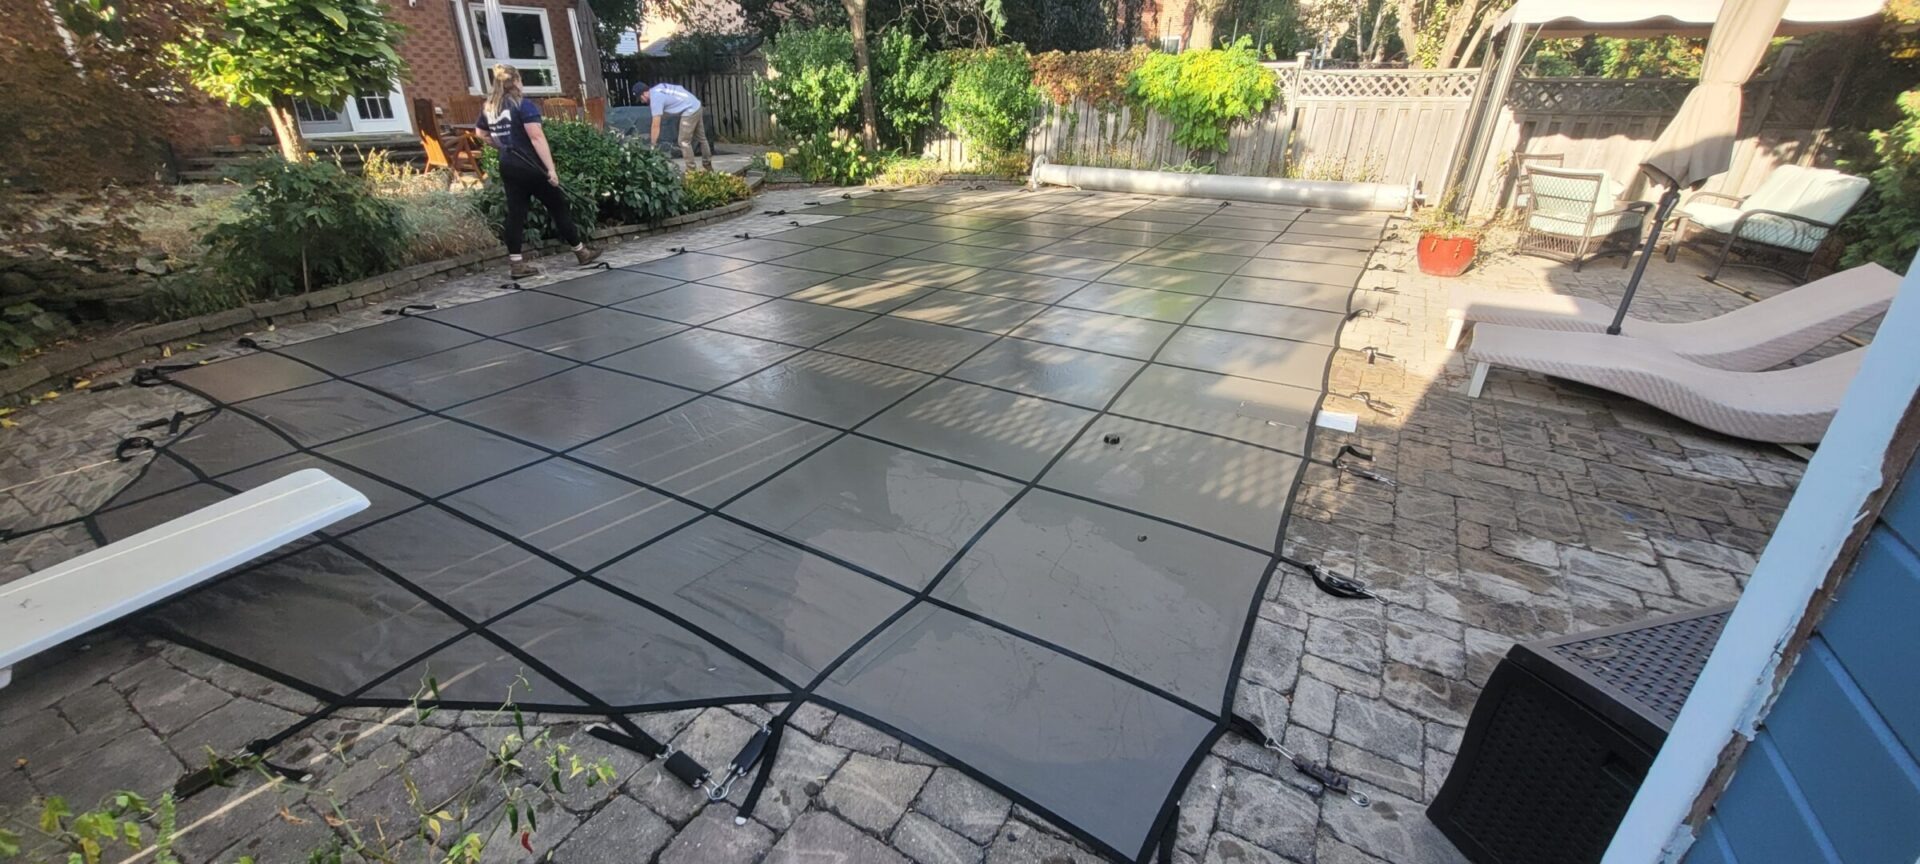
56, 370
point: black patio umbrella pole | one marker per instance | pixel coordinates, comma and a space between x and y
1668, 199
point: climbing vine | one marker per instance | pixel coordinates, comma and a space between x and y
1204, 92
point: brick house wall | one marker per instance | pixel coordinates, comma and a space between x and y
433, 54
436, 70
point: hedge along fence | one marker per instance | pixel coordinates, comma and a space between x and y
1362, 125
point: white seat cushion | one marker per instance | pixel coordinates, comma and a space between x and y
1603, 226
1761, 228
1554, 214
1821, 194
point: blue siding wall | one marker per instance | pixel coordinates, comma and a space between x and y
1832, 776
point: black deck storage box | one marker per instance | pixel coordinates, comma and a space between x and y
1562, 736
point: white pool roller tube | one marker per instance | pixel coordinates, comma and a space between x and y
1327, 194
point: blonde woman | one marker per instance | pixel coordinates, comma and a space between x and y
512, 126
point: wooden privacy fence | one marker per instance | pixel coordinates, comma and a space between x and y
1382, 125
1611, 123
729, 98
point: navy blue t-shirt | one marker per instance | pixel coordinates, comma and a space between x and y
508, 129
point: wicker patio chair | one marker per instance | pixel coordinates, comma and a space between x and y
1574, 215
1779, 227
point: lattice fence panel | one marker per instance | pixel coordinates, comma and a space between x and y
1376, 84
1598, 95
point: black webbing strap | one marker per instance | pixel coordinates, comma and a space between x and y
171, 424
130, 445
1238, 724
679, 764
1328, 778
409, 309
1329, 583
154, 376
1168, 833
221, 770
767, 756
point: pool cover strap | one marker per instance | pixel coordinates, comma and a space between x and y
154, 376
767, 754
679, 764
221, 770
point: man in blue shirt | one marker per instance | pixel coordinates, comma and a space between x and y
675, 101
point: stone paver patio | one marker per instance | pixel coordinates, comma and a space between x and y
1541, 508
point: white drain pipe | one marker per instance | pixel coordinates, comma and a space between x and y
1328, 194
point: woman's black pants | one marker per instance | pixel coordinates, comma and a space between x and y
524, 184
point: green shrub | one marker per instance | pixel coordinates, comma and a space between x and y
305, 225
1204, 92
909, 171
706, 190
991, 99
1009, 164
834, 158
25, 327
1886, 227
907, 77
608, 180
811, 87
442, 223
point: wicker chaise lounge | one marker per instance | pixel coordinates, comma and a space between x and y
1747, 339
1784, 406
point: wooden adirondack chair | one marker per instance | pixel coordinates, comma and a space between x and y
453, 150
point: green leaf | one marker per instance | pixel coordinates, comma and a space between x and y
52, 811
9, 843
333, 14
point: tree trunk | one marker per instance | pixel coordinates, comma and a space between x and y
1473, 43
286, 130
1201, 33
857, 22
1459, 22
1378, 49
1407, 18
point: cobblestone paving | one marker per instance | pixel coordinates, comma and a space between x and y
1539, 509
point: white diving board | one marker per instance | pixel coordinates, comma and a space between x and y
47, 608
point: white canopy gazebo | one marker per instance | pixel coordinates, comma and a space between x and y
1528, 20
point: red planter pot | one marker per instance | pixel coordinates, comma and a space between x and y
1446, 256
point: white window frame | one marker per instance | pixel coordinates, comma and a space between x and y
550, 64
469, 48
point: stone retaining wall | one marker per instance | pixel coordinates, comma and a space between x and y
56, 370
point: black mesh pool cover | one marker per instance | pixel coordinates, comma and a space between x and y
1003, 473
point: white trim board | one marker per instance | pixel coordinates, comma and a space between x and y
1737, 683
579, 60
75, 596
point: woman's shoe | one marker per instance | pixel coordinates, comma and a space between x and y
521, 270
585, 255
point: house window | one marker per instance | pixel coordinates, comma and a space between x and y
308, 112
529, 46
374, 106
